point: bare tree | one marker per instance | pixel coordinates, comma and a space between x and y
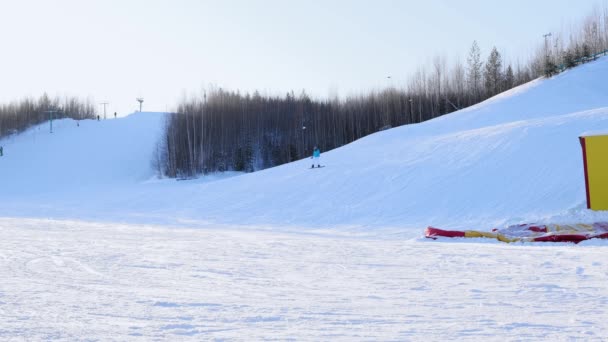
474, 65
17, 116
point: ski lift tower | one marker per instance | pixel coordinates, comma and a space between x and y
104, 104
51, 112
140, 100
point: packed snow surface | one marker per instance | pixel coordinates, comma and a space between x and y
67, 280
94, 246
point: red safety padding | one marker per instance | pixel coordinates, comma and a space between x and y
538, 229
432, 232
575, 238
601, 236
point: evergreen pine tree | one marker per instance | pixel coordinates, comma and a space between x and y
569, 59
493, 73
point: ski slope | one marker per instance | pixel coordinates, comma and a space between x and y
94, 247
80, 155
514, 158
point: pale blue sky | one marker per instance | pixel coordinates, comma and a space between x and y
116, 50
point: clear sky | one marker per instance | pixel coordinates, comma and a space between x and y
117, 50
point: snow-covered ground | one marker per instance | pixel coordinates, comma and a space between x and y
72, 280
93, 246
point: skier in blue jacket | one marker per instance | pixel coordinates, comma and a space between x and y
316, 154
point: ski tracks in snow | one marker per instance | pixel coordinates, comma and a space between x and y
75, 281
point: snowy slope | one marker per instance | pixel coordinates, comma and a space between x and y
96, 154
89, 248
513, 158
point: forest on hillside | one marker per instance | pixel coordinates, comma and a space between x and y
17, 116
225, 130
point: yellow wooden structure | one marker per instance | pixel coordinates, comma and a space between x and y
595, 158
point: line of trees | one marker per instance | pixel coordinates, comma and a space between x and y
226, 130
17, 116
563, 50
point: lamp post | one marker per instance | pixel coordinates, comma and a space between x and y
546, 46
